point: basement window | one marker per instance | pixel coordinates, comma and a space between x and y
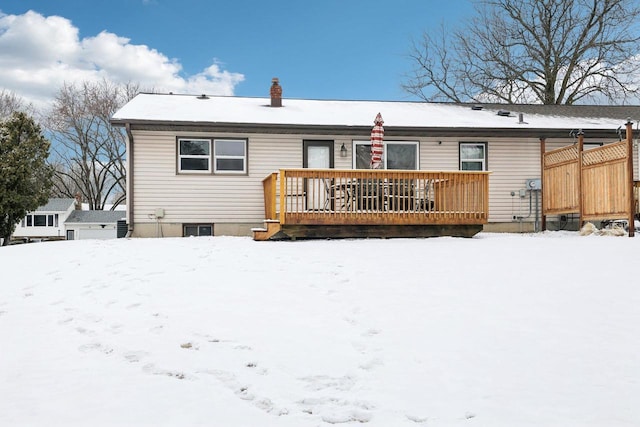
197, 230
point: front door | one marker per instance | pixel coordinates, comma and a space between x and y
317, 155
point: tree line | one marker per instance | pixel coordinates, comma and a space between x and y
68, 150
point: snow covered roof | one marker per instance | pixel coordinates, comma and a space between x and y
191, 109
95, 217
56, 204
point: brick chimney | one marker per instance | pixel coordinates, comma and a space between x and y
276, 93
78, 201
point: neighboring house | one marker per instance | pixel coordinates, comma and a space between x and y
63, 219
46, 222
196, 163
82, 225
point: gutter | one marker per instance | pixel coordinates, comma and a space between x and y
362, 131
127, 127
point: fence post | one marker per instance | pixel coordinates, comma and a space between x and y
543, 225
632, 202
283, 196
580, 189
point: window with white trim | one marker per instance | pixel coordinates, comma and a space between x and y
473, 156
397, 155
194, 155
40, 220
230, 155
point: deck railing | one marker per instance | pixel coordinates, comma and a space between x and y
376, 197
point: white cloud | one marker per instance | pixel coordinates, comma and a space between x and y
38, 54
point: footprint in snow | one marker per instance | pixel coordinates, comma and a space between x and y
85, 331
323, 382
135, 356
151, 369
351, 416
156, 329
371, 332
116, 328
95, 347
371, 364
337, 411
416, 419
243, 392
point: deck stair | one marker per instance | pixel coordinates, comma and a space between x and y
268, 232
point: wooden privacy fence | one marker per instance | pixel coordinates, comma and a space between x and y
597, 183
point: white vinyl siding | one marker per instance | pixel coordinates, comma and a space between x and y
238, 198
206, 198
511, 163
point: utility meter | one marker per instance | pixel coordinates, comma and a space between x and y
534, 184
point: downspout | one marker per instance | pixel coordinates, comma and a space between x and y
127, 126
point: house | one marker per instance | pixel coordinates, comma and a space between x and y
64, 219
46, 222
201, 165
93, 224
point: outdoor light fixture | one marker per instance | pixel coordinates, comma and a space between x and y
343, 151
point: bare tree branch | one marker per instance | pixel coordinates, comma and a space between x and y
542, 51
89, 156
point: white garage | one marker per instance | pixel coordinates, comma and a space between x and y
82, 225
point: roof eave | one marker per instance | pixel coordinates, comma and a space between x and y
392, 131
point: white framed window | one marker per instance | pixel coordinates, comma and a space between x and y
473, 156
397, 155
230, 155
40, 220
194, 155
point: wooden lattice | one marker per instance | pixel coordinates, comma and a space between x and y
561, 155
604, 154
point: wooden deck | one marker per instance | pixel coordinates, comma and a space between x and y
327, 203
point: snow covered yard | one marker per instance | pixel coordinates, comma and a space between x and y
498, 330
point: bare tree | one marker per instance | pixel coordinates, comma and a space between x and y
89, 154
537, 51
11, 103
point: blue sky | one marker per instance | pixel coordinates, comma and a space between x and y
330, 49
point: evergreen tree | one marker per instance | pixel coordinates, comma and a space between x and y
25, 176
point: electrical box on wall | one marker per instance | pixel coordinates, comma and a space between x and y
159, 213
534, 184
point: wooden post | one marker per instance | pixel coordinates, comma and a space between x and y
543, 223
629, 183
580, 192
283, 196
